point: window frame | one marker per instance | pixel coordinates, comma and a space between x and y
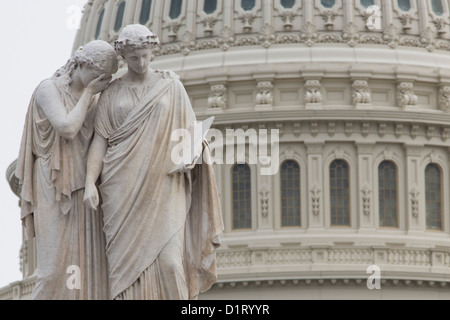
350, 207
442, 200
138, 13
299, 195
446, 11
232, 215
397, 183
115, 15
98, 28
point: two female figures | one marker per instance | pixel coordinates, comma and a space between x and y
160, 231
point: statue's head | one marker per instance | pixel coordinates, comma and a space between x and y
92, 60
135, 45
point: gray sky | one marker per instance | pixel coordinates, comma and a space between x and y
35, 42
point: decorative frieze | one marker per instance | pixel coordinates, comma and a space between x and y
209, 22
264, 196
405, 95
441, 25
315, 199
173, 28
444, 98
218, 97
415, 199
266, 36
288, 16
313, 92
389, 131
247, 19
366, 193
265, 93
406, 20
361, 93
329, 255
328, 17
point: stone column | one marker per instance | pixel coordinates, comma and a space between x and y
191, 14
130, 10
228, 13
422, 8
386, 11
267, 11
106, 24
348, 11
158, 13
315, 186
366, 214
308, 11
415, 219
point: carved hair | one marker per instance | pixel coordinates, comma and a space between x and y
134, 37
99, 54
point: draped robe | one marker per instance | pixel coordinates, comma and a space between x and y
144, 208
52, 173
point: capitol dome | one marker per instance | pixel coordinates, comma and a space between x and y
361, 101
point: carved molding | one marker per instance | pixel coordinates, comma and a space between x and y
415, 200
332, 256
315, 199
361, 92
288, 17
247, 19
209, 21
218, 97
444, 98
366, 199
357, 128
351, 35
264, 193
328, 17
313, 91
329, 281
265, 93
405, 95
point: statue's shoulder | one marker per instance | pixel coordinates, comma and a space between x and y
46, 84
45, 88
168, 74
111, 87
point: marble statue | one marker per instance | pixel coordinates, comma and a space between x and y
52, 163
162, 229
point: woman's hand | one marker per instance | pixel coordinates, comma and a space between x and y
91, 197
98, 85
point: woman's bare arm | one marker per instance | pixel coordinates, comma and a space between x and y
97, 152
67, 124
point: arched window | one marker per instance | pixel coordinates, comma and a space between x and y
288, 4
99, 24
242, 197
247, 5
290, 194
175, 8
404, 5
210, 6
388, 194
437, 7
145, 11
367, 3
433, 193
119, 17
340, 193
328, 3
